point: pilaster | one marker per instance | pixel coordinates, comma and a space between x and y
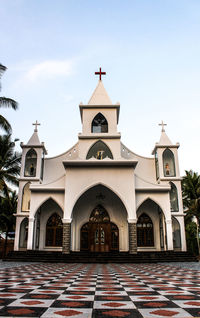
132, 238
66, 238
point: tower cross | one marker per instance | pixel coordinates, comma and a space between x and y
36, 124
163, 126
100, 73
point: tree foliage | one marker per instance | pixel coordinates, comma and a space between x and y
6, 102
9, 164
191, 204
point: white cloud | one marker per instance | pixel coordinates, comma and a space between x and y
50, 69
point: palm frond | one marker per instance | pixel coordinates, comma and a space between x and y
5, 125
8, 102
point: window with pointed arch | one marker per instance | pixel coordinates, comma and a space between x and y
99, 124
26, 197
99, 151
145, 236
54, 231
173, 198
168, 163
30, 163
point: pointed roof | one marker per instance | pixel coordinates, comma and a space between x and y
164, 139
100, 96
34, 140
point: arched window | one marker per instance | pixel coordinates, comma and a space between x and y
168, 163
54, 231
145, 235
99, 124
99, 215
99, 151
30, 163
176, 233
26, 197
23, 236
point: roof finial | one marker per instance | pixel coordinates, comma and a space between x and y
163, 126
100, 73
36, 124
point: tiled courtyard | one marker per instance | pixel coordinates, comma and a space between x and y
98, 290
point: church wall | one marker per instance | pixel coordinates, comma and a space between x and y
53, 167
89, 114
120, 181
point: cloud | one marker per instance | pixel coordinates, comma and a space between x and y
50, 69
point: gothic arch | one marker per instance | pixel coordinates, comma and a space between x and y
168, 163
99, 150
149, 199
46, 200
99, 124
95, 185
30, 163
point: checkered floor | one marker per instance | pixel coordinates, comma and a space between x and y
96, 290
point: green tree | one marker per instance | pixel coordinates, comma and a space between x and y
9, 164
6, 102
8, 206
191, 199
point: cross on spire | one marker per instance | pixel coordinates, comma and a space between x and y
36, 124
163, 126
100, 73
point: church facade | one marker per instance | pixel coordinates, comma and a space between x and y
99, 196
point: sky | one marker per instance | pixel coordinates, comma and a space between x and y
150, 50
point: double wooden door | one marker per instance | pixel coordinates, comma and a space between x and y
99, 237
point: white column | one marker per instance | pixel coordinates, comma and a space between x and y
17, 233
169, 235
182, 233
30, 234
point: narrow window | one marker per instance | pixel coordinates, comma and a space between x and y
168, 163
99, 124
26, 197
157, 166
173, 198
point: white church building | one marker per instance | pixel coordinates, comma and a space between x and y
99, 196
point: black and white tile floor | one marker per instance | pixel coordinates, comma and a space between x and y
98, 290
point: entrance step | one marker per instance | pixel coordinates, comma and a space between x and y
98, 257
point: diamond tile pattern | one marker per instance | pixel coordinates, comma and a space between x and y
98, 290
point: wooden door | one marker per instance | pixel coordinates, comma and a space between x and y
99, 237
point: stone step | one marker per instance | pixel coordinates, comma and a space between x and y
112, 257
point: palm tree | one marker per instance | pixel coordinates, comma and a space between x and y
9, 164
6, 102
8, 206
191, 198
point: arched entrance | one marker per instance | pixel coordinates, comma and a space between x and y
99, 234
54, 231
